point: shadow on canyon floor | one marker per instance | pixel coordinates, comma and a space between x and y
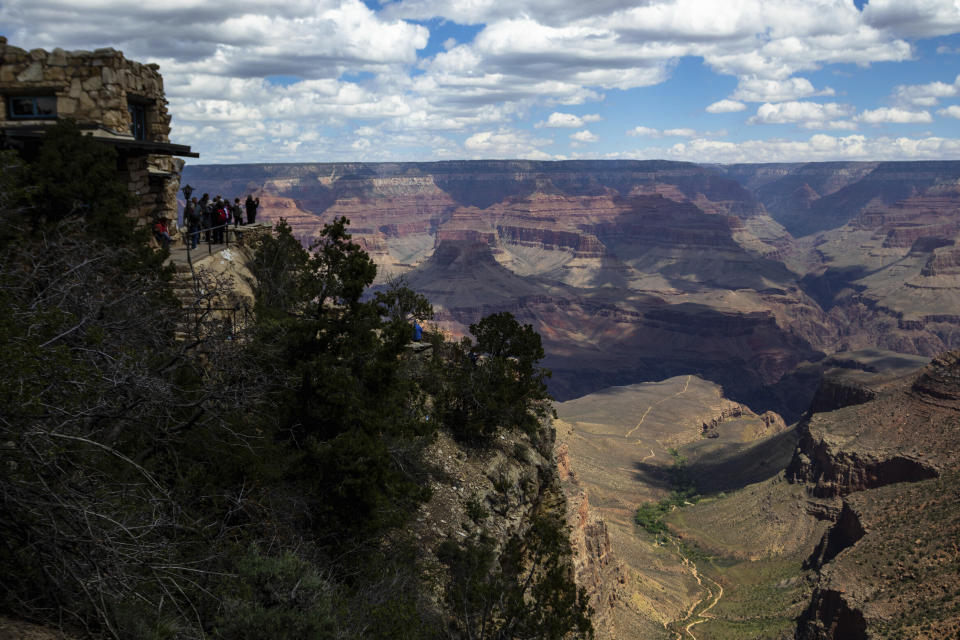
719, 465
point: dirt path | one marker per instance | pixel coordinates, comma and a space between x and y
650, 408
703, 616
713, 594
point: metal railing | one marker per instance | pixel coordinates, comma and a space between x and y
198, 311
208, 231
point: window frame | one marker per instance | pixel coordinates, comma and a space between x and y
35, 113
138, 119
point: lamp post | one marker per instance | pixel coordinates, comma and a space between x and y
187, 192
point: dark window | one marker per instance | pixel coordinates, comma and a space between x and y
32, 107
138, 121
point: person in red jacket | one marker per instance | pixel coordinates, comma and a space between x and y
162, 233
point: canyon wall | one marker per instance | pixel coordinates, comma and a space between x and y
635, 271
887, 565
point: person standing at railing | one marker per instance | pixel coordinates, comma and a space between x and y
236, 212
206, 220
219, 219
192, 216
252, 205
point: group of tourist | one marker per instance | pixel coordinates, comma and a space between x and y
212, 217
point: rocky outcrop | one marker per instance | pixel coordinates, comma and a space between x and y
939, 384
834, 473
596, 567
844, 533
882, 565
839, 387
830, 616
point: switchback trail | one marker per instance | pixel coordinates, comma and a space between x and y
650, 408
713, 594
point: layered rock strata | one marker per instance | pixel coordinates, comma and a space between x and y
642, 270
887, 565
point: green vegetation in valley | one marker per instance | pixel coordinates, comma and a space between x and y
744, 592
245, 482
650, 516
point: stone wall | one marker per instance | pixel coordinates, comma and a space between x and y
154, 179
93, 87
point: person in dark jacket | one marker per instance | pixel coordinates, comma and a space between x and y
206, 220
193, 218
251, 206
236, 212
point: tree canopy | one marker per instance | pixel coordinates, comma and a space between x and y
244, 483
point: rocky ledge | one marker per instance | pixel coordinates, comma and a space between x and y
887, 565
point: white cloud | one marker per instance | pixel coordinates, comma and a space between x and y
926, 95
820, 147
567, 120
914, 18
644, 131
561, 50
285, 78
772, 90
886, 115
682, 132
584, 136
811, 115
953, 111
505, 143
679, 132
726, 106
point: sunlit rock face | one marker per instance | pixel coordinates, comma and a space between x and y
636, 271
887, 565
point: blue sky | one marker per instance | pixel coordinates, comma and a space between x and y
396, 80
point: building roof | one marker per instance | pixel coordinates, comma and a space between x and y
120, 141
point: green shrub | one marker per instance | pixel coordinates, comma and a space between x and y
279, 597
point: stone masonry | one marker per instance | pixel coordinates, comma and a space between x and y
95, 88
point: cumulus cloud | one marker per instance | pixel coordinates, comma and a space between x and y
820, 147
296, 76
567, 120
680, 132
584, 136
811, 115
559, 49
926, 95
643, 131
771, 90
506, 143
726, 106
886, 115
953, 111
240, 39
914, 18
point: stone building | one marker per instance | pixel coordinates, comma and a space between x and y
116, 100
